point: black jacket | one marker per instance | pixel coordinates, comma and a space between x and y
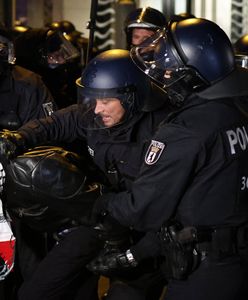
23, 97
117, 152
196, 168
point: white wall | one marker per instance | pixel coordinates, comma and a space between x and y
153, 3
78, 12
221, 14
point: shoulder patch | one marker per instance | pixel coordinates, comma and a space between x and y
154, 152
91, 151
47, 108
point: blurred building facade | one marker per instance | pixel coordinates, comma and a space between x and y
230, 15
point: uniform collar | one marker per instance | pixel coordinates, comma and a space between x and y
235, 84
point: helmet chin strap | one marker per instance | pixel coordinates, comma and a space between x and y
129, 105
182, 88
177, 95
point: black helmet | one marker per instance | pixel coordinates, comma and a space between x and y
112, 74
66, 27
37, 48
55, 25
147, 17
47, 187
241, 51
19, 29
191, 55
57, 49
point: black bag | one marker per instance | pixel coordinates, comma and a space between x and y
47, 187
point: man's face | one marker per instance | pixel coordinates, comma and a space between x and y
110, 110
140, 34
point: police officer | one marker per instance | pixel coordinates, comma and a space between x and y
116, 118
142, 23
54, 58
193, 182
73, 35
23, 94
23, 97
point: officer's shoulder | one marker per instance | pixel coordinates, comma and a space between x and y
25, 76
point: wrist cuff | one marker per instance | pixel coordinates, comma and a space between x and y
130, 258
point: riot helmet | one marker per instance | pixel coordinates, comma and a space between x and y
67, 28
241, 51
112, 75
57, 50
146, 18
44, 48
19, 29
190, 56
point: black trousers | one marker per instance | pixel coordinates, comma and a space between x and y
62, 274
225, 279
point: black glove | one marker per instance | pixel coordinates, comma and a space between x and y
112, 262
11, 144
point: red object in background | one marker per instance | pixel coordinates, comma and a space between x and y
7, 246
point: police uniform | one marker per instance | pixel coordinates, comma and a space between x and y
117, 152
193, 183
23, 97
195, 171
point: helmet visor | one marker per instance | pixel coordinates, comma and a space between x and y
156, 58
59, 50
101, 110
6, 51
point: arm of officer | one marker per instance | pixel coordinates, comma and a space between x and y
61, 126
109, 263
164, 178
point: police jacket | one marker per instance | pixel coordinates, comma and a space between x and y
117, 152
195, 169
23, 97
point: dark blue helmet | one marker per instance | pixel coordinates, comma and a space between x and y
192, 53
112, 74
146, 18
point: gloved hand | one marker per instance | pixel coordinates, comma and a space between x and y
11, 144
112, 262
